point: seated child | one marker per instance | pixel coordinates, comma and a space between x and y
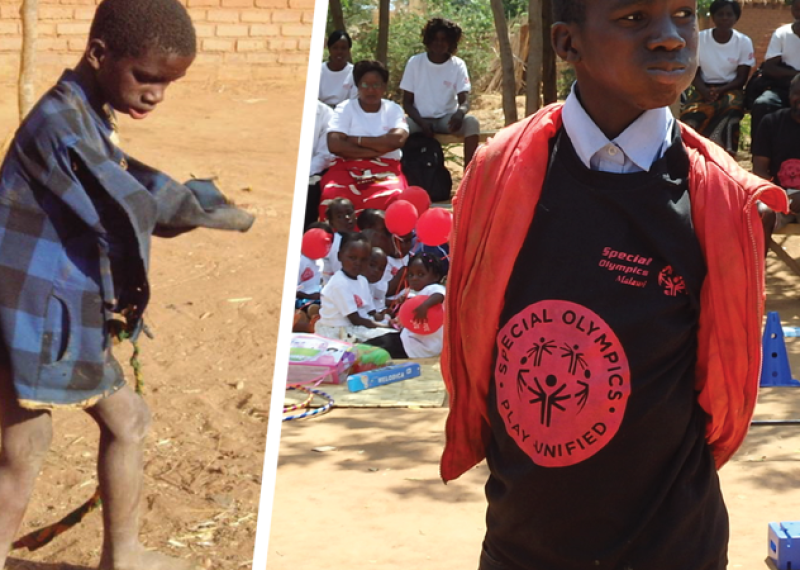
396, 263
424, 276
342, 218
346, 302
372, 219
376, 267
309, 275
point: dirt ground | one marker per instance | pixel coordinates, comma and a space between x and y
214, 313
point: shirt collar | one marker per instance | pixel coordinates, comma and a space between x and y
103, 114
638, 142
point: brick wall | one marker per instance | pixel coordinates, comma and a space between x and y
238, 40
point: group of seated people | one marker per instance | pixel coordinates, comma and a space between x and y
715, 103
359, 134
354, 293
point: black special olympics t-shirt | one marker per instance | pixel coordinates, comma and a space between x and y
597, 456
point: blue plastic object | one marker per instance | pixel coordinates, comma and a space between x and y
775, 366
784, 545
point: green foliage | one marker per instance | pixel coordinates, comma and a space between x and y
702, 7
745, 134
564, 81
405, 33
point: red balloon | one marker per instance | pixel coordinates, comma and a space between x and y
430, 325
401, 217
316, 243
417, 196
434, 226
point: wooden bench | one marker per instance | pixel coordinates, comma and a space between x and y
777, 248
458, 139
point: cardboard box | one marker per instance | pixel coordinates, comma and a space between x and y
784, 545
381, 376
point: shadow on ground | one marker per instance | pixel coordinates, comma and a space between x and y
17, 564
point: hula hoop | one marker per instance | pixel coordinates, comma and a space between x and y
304, 403
309, 413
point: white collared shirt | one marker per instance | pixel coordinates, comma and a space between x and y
634, 150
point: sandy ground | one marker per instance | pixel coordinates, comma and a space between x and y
214, 313
370, 496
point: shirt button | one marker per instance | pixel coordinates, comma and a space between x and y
612, 150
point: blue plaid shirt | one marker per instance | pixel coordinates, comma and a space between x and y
75, 213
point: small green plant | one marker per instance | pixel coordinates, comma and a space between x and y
745, 134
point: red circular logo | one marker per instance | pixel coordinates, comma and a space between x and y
562, 381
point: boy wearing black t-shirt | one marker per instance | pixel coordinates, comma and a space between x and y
605, 372
776, 156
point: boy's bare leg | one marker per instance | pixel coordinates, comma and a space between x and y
470, 146
25, 437
124, 419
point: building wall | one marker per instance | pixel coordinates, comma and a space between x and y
238, 40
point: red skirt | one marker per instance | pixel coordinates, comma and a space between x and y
373, 183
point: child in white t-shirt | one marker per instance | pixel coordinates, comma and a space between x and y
424, 278
376, 268
336, 83
396, 264
346, 302
309, 281
436, 87
342, 218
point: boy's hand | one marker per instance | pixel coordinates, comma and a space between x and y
455, 121
427, 130
704, 91
421, 313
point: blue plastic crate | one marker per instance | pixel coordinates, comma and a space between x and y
784, 545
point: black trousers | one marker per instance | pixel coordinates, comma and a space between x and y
391, 343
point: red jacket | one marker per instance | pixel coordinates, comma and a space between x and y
494, 209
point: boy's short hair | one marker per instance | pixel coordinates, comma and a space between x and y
354, 237
450, 28
324, 226
336, 203
369, 217
794, 82
569, 11
363, 67
717, 5
130, 27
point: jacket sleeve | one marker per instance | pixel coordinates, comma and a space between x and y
183, 207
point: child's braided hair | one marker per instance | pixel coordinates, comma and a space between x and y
430, 262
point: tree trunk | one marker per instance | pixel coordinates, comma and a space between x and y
549, 80
533, 67
383, 32
29, 13
337, 14
506, 62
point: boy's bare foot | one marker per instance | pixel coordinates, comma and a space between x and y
150, 560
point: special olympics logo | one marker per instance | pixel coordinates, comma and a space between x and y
563, 382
